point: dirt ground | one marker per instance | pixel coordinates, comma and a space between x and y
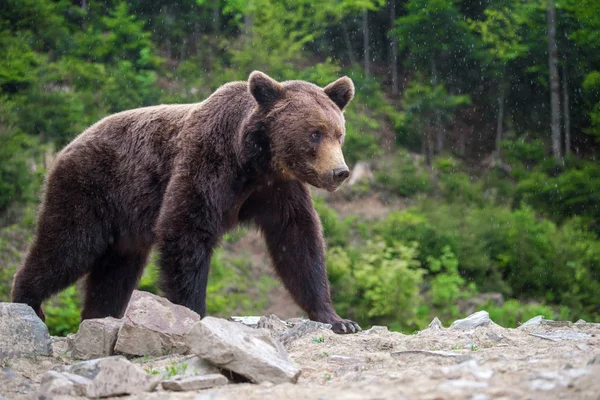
491, 362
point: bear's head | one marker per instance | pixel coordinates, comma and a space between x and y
305, 126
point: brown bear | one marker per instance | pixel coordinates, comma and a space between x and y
179, 177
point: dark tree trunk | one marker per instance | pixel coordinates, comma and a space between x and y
394, 50
348, 43
500, 121
554, 81
439, 130
367, 59
216, 17
566, 112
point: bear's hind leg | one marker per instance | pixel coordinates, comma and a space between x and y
113, 278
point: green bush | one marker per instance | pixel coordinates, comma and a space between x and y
403, 175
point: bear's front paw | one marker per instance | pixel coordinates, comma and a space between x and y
345, 326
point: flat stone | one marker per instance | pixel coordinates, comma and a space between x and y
595, 360
462, 384
183, 384
436, 353
154, 326
22, 332
376, 329
96, 338
480, 318
252, 353
346, 360
273, 324
535, 321
113, 376
557, 336
301, 330
251, 321
191, 366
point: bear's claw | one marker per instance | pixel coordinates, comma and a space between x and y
345, 326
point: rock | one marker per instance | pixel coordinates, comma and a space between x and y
595, 360
555, 324
252, 322
191, 366
252, 353
361, 171
481, 318
55, 384
182, 384
301, 330
346, 360
580, 322
376, 329
462, 384
437, 353
95, 338
113, 376
152, 325
557, 336
535, 321
22, 332
435, 325
273, 324
495, 336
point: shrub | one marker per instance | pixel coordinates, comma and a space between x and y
403, 175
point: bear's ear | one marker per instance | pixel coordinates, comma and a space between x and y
340, 91
265, 89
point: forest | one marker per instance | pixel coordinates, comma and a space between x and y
479, 119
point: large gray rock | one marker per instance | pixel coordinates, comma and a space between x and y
96, 338
252, 353
182, 384
22, 332
154, 326
480, 318
113, 376
302, 329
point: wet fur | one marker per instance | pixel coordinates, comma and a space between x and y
179, 177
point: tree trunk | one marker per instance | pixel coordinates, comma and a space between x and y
500, 121
554, 81
84, 5
437, 119
216, 17
348, 43
394, 52
566, 115
366, 43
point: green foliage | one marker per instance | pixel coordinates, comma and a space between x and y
63, 312
335, 230
379, 283
403, 174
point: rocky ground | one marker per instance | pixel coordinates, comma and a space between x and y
472, 359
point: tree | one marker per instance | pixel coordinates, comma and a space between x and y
554, 81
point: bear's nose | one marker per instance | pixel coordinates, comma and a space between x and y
341, 174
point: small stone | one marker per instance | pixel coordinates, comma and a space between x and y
495, 336
535, 321
555, 324
273, 324
252, 353
182, 384
557, 336
252, 322
113, 376
376, 329
302, 330
96, 338
435, 325
595, 360
580, 322
361, 171
346, 360
22, 332
154, 326
462, 384
481, 318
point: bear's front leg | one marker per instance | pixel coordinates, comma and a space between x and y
289, 222
188, 229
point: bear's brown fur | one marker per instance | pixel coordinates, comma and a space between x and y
180, 176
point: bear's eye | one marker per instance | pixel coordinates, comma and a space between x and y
315, 136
